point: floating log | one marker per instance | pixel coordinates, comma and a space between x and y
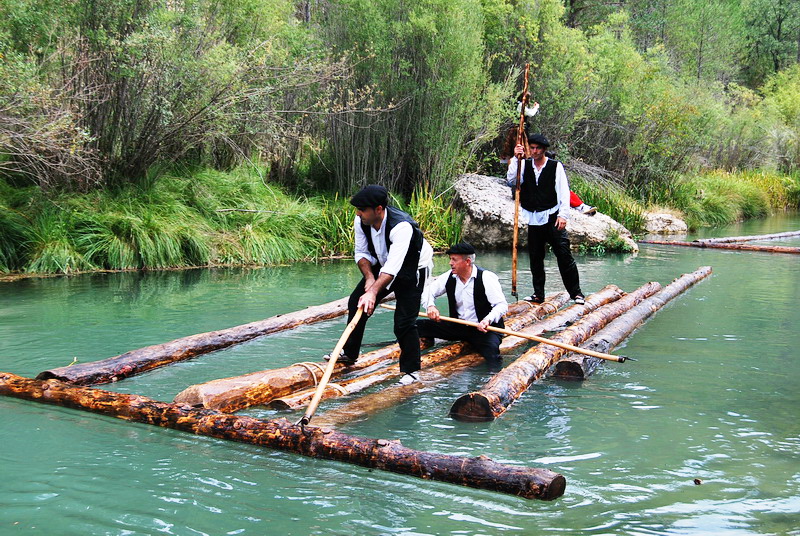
509, 384
578, 367
362, 407
727, 239
239, 392
743, 247
353, 385
569, 315
151, 357
479, 472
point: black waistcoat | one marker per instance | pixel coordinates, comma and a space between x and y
542, 196
482, 305
408, 271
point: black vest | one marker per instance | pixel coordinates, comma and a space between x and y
482, 305
542, 196
408, 271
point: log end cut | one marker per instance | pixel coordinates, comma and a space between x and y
472, 407
568, 370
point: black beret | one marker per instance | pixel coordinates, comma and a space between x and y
538, 139
371, 196
462, 248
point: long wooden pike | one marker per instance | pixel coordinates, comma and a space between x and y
515, 240
543, 340
312, 406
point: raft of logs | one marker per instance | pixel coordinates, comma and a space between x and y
734, 242
601, 323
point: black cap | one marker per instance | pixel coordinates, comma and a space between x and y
538, 139
462, 248
371, 196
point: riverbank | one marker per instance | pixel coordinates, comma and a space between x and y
207, 218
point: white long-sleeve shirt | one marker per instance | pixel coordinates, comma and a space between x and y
562, 192
465, 295
390, 258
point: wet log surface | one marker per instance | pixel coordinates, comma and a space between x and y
728, 239
151, 357
479, 472
714, 245
569, 315
509, 384
579, 367
264, 387
239, 392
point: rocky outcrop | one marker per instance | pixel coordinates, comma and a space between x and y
664, 223
489, 207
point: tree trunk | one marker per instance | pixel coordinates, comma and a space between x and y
479, 472
743, 247
362, 407
151, 357
579, 367
239, 392
729, 239
508, 385
567, 316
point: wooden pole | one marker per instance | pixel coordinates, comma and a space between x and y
543, 340
741, 247
151, 357
312, 406
727, 239
577, 367
520, 133
508, 385
388, 455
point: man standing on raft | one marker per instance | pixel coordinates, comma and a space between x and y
544, 205
392, 255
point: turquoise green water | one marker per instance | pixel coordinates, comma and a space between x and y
715, 395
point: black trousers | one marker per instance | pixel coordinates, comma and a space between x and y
408, 295
487, 344
538, 236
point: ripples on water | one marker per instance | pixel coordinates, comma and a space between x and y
714, 397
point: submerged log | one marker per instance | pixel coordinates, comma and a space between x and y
578, 367
509, 384
480, 472
569, 315
727, 239
743, 247
158, 355
353, 385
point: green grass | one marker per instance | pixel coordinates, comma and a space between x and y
612, 200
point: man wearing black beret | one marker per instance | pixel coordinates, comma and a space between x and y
473, 294
544, 206
392, 255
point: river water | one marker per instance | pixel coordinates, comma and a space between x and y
713, 396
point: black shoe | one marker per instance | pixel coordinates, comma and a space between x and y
533, 298
579, 299
343, 359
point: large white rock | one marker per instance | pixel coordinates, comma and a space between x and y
489, 219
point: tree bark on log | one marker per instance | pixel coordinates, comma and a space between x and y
509, 384
569, 315
742, 247
364, 406
479, 472
158, 355
579, 367
257, 388
239, 392
728, 239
